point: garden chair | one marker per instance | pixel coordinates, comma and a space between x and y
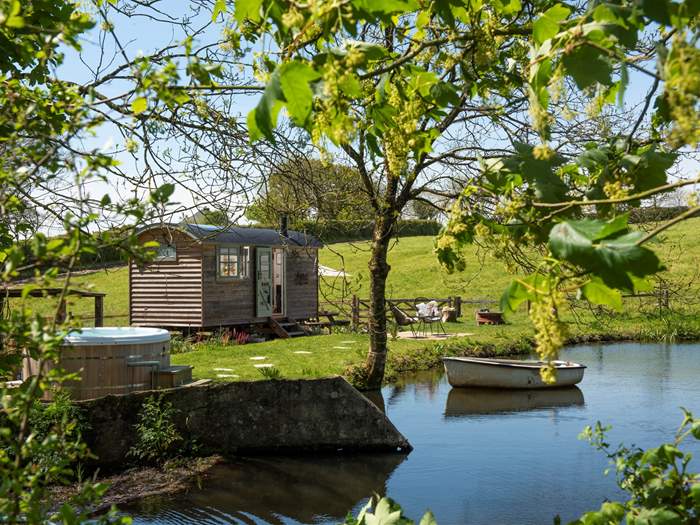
403, 319
429, 315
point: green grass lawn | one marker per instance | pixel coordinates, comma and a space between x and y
324, 355
416, 272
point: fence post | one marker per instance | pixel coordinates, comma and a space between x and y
662, 297
355, 312
99, 311
458, 306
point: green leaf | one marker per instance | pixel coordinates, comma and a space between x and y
658, 11
294, 82
384, 514
14, 19
423, 81
428, 519
539, 173
695, 494
594, 158
604, 13
444, 94
609, 513
652, 169
520, 290
586, 66
654, 516
603, 249
383, 116
219, 7
263, 119
386, 7
162, 193
624, 82
614, 226
598, 293
248, 10
540, 75
547, 25
695, 429
661, 456
15, 22
139, 105
507, 7
350, 85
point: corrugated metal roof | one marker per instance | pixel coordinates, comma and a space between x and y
241, 235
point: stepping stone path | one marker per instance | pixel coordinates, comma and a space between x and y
227, 375
348, 342
258, 358
264, 365
343, 347
223, 369
301, 352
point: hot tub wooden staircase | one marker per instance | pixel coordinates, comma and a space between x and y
285, 328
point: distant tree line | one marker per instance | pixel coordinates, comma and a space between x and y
656, 213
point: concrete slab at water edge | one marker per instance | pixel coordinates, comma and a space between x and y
250, 417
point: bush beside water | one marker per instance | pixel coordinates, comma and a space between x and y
157, 437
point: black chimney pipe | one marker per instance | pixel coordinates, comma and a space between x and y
284, 219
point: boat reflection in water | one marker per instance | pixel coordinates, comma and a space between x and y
467, 401
278, 489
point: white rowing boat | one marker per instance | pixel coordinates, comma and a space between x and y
508, 373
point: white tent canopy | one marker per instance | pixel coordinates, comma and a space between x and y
325, 271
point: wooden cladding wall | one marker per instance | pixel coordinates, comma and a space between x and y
232, 301
168, 293
227, 301
302, 283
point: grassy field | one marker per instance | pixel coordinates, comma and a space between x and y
415, 272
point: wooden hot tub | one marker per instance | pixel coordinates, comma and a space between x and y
111, 360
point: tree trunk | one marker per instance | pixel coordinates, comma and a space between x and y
378, 270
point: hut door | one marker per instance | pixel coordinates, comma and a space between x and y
263, 282
278, 281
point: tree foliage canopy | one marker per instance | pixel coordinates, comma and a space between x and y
393, 77
309, 189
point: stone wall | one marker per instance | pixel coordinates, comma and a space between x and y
276, 416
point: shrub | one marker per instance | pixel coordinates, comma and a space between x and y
180, 345
660, 488
385, 511
157, 437
59, 419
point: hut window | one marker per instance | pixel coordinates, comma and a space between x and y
166, 252
232, 262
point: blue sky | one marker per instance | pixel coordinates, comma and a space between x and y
140, 35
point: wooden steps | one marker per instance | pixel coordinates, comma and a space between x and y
284, 328
174, 375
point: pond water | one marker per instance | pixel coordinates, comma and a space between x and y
480, 457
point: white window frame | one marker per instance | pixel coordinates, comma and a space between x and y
166, 252
242, 255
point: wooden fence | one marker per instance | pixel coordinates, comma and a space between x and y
357, 309
662, 296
